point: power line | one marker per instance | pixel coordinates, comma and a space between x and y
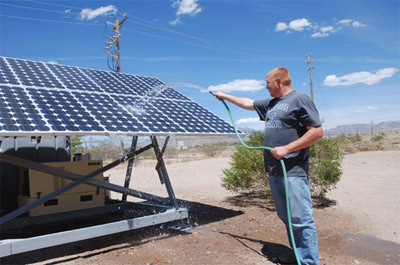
198, 45
154, 25
211, 41
39, 9
49, 4
52, 21
224, 46
140, 32
355, 43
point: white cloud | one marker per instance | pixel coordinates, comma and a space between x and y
323, 32
302, 24
373, 108
249, 120
247, 85
369, 108
299, 24
174, 22
351, 22
345, 21
281, 26
185, 7
296, 25
89, 14
319, 35
360, 77
327, 29
357, 24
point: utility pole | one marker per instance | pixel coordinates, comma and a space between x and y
372, 130
115, 40
116, 30
309, 71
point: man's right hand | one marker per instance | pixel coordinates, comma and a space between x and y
220, 95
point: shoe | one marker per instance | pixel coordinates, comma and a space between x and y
287, 259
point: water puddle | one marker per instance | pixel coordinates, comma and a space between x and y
371, 248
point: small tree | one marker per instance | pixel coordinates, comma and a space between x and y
76, 145
247, 170
247, 167
325, 160
106, 151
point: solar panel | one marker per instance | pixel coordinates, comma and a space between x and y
39, 98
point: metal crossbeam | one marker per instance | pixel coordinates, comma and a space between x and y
162, 171
15, 246
129, 167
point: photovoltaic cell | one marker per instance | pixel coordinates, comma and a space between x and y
72, 78
39, 98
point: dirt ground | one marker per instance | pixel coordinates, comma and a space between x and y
357, 224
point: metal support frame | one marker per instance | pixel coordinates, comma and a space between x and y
172, 212
14, 246
161, 169
129, 167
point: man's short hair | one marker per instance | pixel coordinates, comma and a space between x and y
282, 74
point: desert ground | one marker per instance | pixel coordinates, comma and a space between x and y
358, 223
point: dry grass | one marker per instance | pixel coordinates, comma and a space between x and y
385, 140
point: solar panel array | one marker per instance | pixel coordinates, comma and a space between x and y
39, 98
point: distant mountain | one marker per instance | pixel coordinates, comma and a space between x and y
247, 130
362, 127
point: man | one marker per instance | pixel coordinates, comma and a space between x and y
292, 124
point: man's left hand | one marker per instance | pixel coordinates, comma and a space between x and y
279, 152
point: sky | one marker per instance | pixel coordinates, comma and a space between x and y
230, 46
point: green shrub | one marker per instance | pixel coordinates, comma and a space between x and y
212, 149
325, 160
76, 145
247, 167
106, 151
377, 138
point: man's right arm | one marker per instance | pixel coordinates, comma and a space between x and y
244, 103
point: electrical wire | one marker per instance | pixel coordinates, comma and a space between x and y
39, 9
52, 21
49, 4
153, 25
198, 45
221, 44
218, 45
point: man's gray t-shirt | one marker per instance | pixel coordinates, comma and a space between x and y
286, 120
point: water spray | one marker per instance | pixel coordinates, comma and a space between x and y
284, 175
200, 88
139, 107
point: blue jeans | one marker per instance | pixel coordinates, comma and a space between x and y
301, 211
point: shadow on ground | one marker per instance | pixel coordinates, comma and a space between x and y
265, 201
269, 250
199, 214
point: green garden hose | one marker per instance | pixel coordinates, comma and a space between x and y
284, 175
